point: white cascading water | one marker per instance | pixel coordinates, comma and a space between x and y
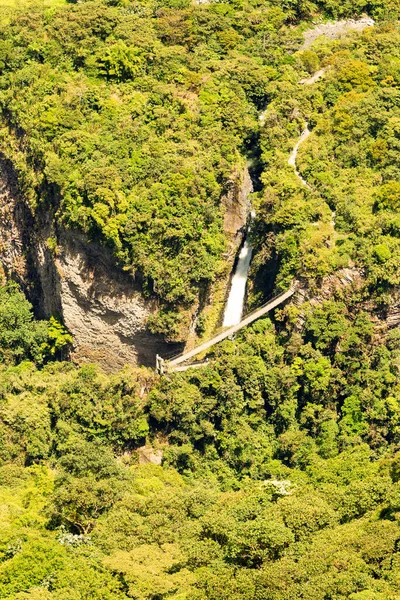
237, 294
234, 306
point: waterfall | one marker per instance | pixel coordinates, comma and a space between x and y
237, 293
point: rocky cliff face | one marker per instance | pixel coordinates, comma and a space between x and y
102, 307
65, 274
236, 207
328, 286
12, 238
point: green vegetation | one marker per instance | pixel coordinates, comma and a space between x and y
349, 214
280, 476
130, 117
281, 469
23, 338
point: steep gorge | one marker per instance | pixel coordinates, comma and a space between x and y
103, 307
65, 274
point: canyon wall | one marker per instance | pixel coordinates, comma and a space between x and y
64, 274
236, 209
235, 204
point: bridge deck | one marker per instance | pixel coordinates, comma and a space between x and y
231, 330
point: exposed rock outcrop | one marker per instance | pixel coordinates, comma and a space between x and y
102, 306
149, 455
385, 318
335, 29
236, 209
65, 274
12, 213
329, 286
393, 312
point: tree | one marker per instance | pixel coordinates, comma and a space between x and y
20, 336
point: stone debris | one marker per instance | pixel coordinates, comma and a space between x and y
282, 487
335, 29
148, 454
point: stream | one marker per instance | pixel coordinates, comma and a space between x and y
234, 306
237, 293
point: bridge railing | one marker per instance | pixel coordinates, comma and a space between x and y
268, 301
247, 319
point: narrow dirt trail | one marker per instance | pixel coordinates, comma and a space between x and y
313, 78
292, 162
292, 158
332, 30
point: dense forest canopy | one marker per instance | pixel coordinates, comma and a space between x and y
133, 118
130, 118
280, 466
350, 161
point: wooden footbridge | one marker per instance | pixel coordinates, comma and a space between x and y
176, 362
